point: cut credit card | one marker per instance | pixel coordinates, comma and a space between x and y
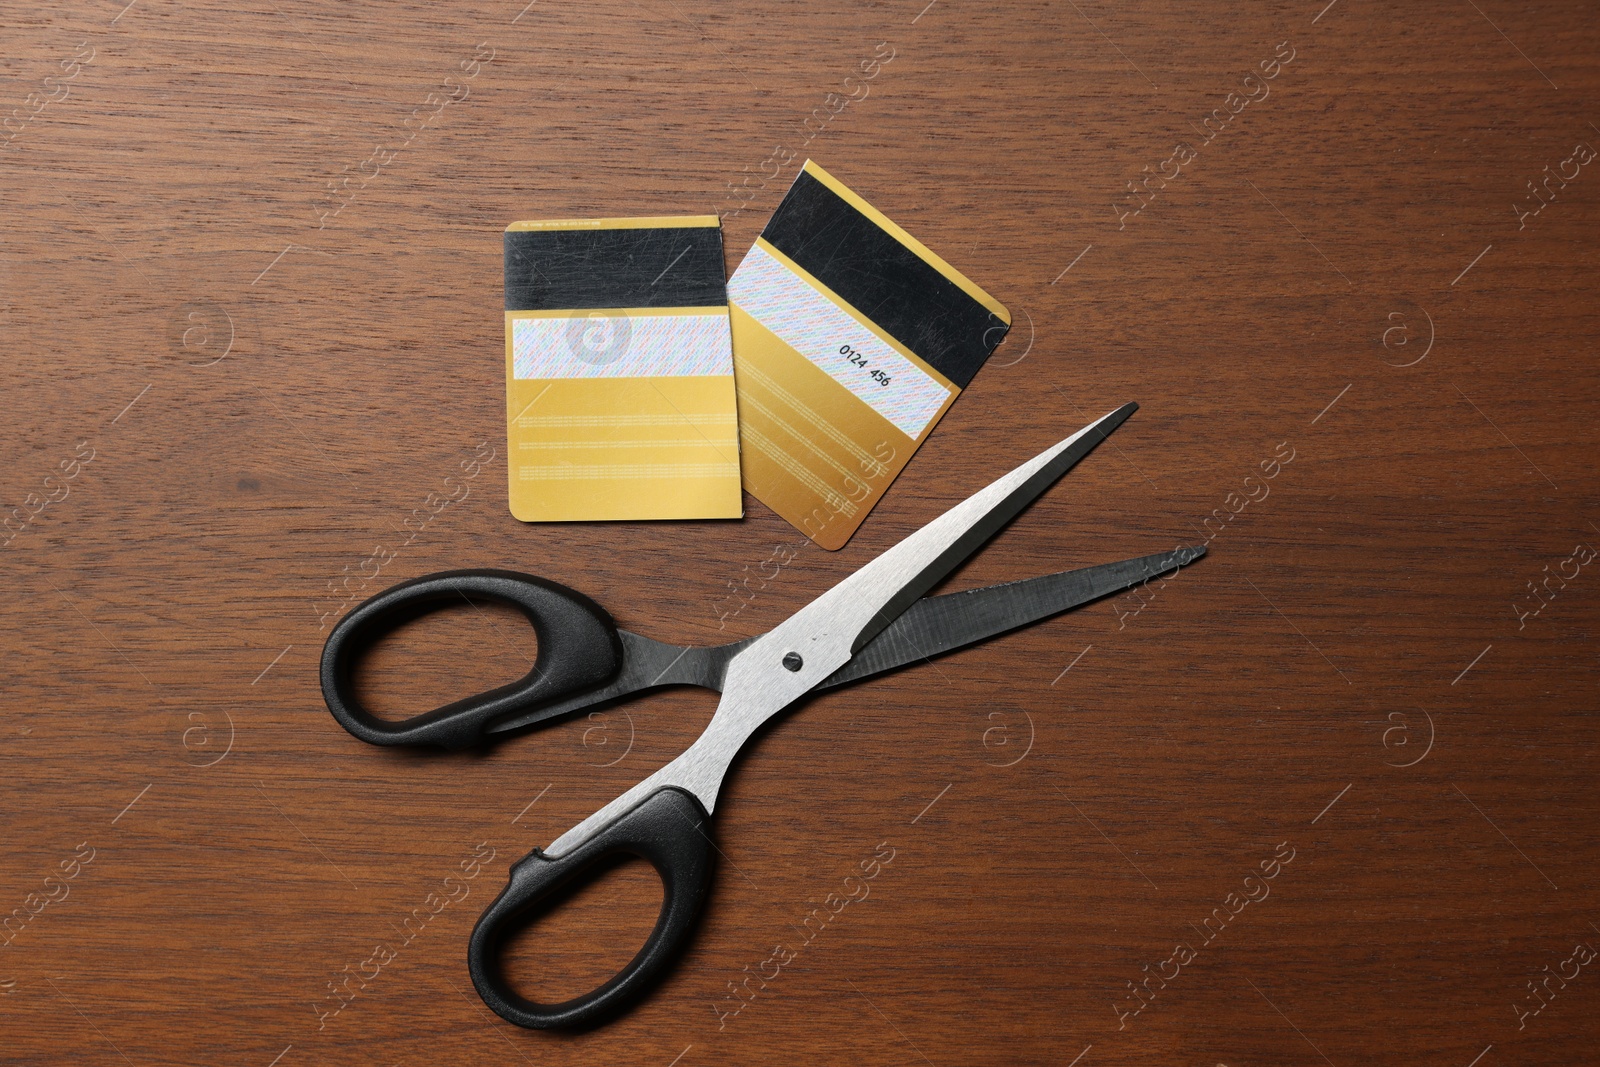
851, 339
619, 376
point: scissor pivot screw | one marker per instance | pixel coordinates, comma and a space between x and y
792, 661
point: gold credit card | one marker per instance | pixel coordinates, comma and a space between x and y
850, 340
619, 376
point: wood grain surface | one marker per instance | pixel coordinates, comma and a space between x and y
1326, 797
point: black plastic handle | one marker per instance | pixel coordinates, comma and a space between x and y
578, 649
668, 828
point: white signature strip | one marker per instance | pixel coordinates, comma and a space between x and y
775, 296
613, 344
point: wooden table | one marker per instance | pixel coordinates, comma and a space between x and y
1322, 797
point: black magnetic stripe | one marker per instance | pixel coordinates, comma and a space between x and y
668, 266
884, 280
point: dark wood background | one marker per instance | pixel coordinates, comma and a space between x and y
270, 394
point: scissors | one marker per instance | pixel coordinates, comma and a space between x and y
874, 621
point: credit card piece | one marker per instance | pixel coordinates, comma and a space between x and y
851, 339
620, 396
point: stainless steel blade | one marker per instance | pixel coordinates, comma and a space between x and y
876, 594
938, 624
781, 666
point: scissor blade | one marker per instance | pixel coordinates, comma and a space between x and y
801, 653
860, 607
939, 624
